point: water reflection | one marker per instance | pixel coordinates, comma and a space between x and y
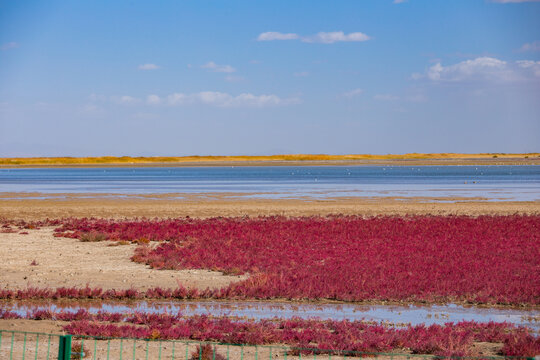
436, 314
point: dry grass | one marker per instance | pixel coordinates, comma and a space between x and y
93, 237
125, 160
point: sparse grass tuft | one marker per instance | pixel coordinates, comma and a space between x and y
93, 236
119, 243
79, 351
206, 352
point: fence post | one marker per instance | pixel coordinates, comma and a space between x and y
64, 348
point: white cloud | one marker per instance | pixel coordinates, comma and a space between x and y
232, 78
145, 116
226, 100
531, 65
9, 45
153, 99
212, 66
418, 98
148, 67
534, 46
273, 35
176, 99
335, 36
91, 109
480, 66
211, 98
97, 97
221, 99
321, 37
482, 69
124, 100
386, 97
399, 1
301, 74
353, 93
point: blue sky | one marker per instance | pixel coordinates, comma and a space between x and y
265, 77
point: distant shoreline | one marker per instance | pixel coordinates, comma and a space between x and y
277, 160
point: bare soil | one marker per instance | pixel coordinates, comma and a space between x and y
62, 262
31, 207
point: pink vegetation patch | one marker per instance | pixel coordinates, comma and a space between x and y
337, 336
425, 259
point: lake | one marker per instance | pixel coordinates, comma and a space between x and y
501, 183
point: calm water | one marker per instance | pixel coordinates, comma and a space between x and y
492, 182
436, 314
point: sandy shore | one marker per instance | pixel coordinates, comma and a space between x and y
38, 259
33, 207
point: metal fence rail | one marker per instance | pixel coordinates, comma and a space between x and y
30, 345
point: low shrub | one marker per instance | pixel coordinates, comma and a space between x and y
79, 351
93, 236
206, 352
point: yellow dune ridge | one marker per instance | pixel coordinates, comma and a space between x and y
126, 160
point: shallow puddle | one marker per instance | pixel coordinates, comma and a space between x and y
436, 314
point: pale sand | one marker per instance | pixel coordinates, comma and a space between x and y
213, 205
65, 262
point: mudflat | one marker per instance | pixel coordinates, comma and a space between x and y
42, 206
37, 259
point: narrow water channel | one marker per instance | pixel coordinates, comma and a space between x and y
435, 314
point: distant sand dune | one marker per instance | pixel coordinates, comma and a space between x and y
451, 158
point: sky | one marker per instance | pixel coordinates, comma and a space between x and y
244, 77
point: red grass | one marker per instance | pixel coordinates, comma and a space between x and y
421, 258
339, 336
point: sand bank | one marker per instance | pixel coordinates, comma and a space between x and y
38, 259
41, 206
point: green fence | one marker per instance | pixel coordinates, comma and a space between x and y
33, 345
28, 345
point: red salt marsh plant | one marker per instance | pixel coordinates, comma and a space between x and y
336, 336
485, 260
